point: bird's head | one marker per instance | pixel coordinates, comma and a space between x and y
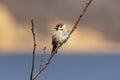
60, 26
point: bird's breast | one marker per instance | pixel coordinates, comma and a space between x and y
62, 37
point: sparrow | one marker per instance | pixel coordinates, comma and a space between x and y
60, 36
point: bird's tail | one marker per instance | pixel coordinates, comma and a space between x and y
53, 49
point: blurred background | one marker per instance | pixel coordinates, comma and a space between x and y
92, 52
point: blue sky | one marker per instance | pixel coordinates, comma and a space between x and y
65, 67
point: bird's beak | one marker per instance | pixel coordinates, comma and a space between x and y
55, 28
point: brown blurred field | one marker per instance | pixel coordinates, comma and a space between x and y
99, 29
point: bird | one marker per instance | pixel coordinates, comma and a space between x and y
60, 36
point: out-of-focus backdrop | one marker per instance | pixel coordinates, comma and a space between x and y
91, 53
99, 29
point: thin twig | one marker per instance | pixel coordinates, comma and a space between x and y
53, 53
42, 57
34, 47
82, 13
46, 64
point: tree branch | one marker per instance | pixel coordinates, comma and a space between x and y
46, 64
42, 57
53, 53
82, 13
34, 47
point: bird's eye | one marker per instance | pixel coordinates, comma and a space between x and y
61, 26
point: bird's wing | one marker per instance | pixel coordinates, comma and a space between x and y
54, 39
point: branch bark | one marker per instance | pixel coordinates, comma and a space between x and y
81, 15
34, 47
42, 57
53, 53
46, 64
